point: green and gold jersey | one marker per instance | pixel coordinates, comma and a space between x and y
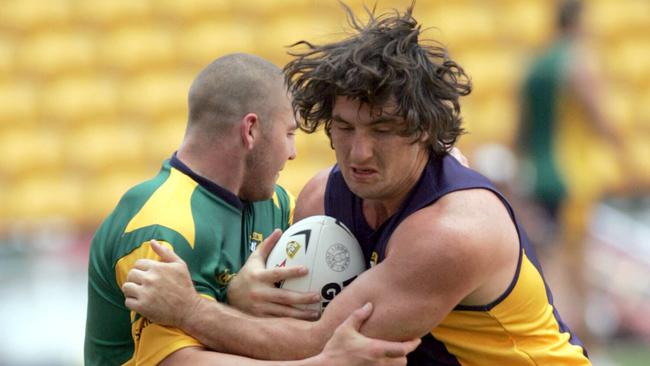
570, 157
209, 227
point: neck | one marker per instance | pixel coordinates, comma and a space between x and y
220, 165
377, 211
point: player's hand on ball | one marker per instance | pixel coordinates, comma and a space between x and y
162, 291
349, 347
253, 290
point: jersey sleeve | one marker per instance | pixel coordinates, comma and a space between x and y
152, 342
286, 202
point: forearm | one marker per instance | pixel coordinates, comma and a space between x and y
199, 356
225, 329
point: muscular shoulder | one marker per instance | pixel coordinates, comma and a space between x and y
471, 214
468, 233
311, 199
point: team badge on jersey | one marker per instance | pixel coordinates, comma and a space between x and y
225, 277
373, 259
256, 239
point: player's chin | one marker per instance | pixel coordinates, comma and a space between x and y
262, 192
365, 191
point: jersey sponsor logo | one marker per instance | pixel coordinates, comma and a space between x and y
292, 248
138, 332
256, 239
337, 257
225, 277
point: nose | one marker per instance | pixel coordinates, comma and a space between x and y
361, 149
292, 150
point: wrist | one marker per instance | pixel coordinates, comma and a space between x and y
319, 333
186, 319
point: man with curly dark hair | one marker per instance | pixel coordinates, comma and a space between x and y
449, 261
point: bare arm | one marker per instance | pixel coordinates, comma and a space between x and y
210, 315
589, 88
162, 291
347, 347
432, 265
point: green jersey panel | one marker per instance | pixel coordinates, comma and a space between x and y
208, 226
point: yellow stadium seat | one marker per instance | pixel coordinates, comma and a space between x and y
618, 18
295, 174
4, 213
493, 70
137, 48
191, 10
156, 95
114, 13
631, 60
34, 15
644, 108
458, 25
41, 197
103, 147
105, 190
165, 137
26, 150
274, 8
291, 28
528, 23
7, 52
314, 147
203, 42
74, 99
619, 108
491, 120
50, 53
18, 103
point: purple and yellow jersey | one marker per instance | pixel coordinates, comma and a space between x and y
206, 225
521, 327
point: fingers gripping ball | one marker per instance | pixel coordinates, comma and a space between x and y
325, 246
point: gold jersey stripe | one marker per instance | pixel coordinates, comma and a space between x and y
292, 206
505, 334
170, 206
154, 342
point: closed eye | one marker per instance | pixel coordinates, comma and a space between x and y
343, 126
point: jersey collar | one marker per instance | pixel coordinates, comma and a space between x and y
211, 186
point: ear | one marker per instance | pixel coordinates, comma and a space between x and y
250, 130
424, 137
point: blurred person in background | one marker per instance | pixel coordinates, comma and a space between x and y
563, 140
212, 203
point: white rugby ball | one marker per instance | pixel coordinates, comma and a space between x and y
327, 248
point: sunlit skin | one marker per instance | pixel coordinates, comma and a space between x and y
378, 164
